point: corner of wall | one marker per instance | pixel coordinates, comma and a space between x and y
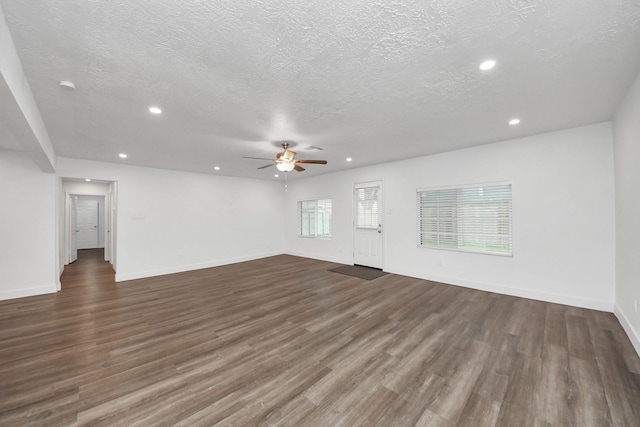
634, 336
626, 140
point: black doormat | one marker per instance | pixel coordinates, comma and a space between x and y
366, 273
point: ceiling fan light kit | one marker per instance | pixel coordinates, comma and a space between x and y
286, 162
284, 166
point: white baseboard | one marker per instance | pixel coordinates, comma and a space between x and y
339, 260
28, 292
600, 305
634, 336
571, 300
121, 277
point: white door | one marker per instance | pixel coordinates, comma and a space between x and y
73, 214
87, 224
367, 248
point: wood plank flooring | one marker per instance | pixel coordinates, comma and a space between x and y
283, 341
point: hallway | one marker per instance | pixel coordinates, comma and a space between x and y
89, 272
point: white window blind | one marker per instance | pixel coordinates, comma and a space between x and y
367, 207
315, 218
475, 219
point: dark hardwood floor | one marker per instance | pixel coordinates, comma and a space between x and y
283, 341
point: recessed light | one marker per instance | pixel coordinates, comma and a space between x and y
87, 179
155, 110
487, 65
216, 168
67, 84
349, 159
514, 122
276, 175
122, 155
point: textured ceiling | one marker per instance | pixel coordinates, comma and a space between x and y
375, 80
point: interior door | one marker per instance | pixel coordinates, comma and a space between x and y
367, 248
73, 233
87, 224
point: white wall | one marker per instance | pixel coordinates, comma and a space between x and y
626, 130
113, 223
563, 206
85, 188
172, 221
28, 227
58, 219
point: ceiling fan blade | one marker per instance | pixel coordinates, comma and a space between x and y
314, 162
298, 167
256, 158
266, 166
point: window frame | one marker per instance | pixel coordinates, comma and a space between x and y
457, 222
316, 220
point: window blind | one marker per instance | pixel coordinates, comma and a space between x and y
475, 219
367, 207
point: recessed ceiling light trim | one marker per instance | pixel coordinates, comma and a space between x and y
122, 156
514, 121
155, 110
349, 159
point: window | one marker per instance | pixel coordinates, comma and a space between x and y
474, 219
367, 207
315, 218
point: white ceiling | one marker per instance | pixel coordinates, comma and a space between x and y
375, 80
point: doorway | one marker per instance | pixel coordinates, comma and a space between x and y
89, 219
86, 224
368, 225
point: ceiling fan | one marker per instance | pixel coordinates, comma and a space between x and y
286, 162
